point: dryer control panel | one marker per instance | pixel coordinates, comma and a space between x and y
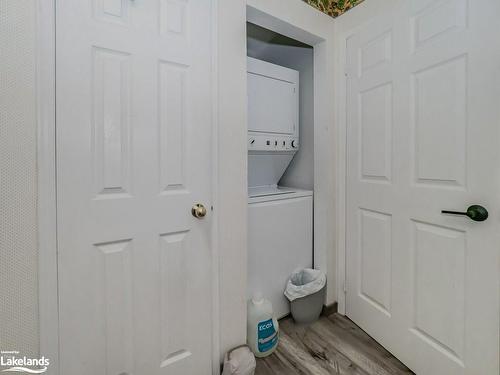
272, 142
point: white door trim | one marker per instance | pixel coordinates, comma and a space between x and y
47, 204
216, 346
341, 168
341, 165
47, 233
231, 197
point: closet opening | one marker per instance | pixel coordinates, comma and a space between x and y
280, 86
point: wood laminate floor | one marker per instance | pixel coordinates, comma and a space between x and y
332, 345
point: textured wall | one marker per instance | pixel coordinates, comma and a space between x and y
18, 213
333, 8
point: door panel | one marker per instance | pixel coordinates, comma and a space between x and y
439, 251
375, 259
439, 119
423, 136
375, 106
133, 155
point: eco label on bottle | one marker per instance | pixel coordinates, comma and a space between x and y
267, 337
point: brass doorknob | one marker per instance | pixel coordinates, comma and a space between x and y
199, 211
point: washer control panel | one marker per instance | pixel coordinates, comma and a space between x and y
270, 142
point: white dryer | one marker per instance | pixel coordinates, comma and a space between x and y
280, 219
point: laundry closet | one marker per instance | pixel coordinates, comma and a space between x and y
280, 162
167, 160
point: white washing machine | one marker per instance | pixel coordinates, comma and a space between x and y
280, 219
280, 237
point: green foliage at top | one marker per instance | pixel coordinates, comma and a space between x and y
333, 8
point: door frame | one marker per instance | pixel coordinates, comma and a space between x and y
48, 294
341, 168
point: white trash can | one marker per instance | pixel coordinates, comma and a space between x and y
306, 292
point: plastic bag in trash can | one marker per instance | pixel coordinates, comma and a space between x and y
304, 282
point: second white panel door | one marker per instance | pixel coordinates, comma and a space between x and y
423, 136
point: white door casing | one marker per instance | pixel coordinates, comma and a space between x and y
134, 150
423, 136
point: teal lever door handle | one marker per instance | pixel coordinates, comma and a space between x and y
475, 212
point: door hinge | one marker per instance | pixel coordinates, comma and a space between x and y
344, 287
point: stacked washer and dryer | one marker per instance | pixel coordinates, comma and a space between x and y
280, 222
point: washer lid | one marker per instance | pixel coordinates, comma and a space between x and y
274, 192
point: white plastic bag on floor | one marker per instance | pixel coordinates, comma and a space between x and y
239, 361
304, 282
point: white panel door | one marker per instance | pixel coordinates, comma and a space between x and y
424, 136
133, 155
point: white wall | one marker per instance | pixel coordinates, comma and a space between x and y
231, 201
300, 172
19, 329
362, 13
